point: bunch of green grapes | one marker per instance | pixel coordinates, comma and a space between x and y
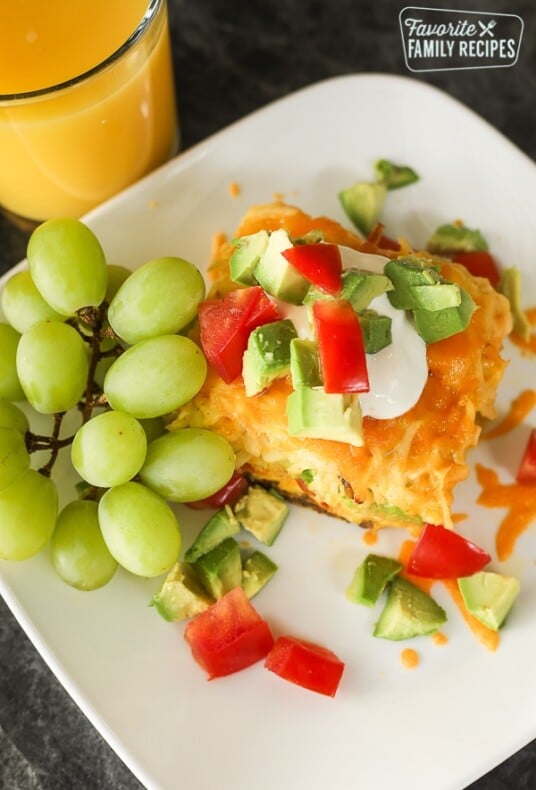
83, 334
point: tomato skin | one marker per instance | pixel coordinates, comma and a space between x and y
225, 325
440, 553
229, 494
380, 240
341, 347
228, 636
526, 474
320, 263
386, 243
306, 664
480, 264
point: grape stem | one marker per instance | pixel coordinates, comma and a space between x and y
55, 444
92, 327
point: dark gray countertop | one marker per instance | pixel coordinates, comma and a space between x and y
231, 58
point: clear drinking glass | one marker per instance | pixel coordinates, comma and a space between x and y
70, 145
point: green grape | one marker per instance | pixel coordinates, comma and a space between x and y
28, 510
13, 417
116, 277
159, 298
10, 387
79, 554
52, 364
23, 305
188, 464
140, 529
14, 457
156, 376
109, 449
67, 265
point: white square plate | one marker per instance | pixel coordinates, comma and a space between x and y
464, 709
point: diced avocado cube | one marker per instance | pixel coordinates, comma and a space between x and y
408, 612
220, 569
314, 236
246, 256
510, 286
262, 513
316, 414
456, 238
436, 297
267, 356
220, 526
489, 596
371, 578
181, 595
410, 270
376, 330
363, 203
434, 325
276, 275
360, 288
257, 570
304, 363
395, 176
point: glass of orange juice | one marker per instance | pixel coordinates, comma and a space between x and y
87, 102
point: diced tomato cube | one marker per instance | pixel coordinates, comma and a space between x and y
229, 636
225, 325
229, 494
526, 473
386, 243
319, 263
441, 553
341, 346
480, 264
306, 664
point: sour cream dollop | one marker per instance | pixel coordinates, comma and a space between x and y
398, 372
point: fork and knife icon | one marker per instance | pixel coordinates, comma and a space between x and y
486, 28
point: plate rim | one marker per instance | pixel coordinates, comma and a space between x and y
178, 163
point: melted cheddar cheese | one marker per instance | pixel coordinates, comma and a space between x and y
406, 470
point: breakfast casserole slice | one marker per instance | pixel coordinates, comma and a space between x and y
404, 470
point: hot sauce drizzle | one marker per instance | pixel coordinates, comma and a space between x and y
410, 658
419, 581
520, 407
518, 498
370, 537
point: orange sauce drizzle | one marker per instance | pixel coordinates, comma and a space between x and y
520, 407
410, 658
234, 189
526, 346
486, 636
439, 638
419, 581
518, 498
370, 537
217, 240
457, 517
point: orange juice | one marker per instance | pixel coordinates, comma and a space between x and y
68, 142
